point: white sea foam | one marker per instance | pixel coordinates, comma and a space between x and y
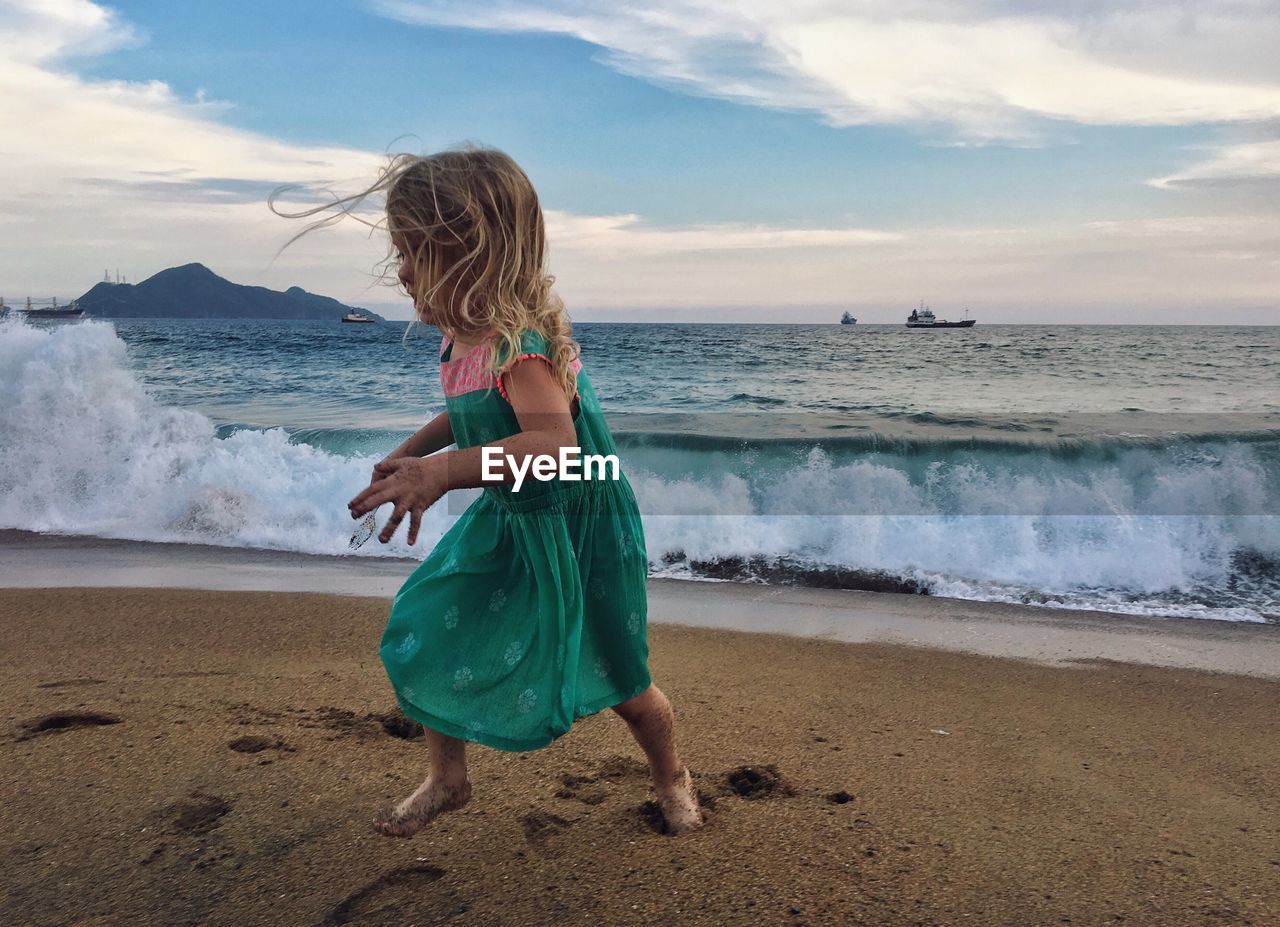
86, 450
1013, 541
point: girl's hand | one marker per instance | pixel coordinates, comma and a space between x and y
382, 468
412, 483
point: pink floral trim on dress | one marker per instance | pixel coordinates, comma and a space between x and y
470, 372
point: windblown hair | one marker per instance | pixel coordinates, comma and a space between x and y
470, 218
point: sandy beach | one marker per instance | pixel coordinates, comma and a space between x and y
178, 756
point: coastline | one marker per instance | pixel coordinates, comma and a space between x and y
173, 756
1047, 635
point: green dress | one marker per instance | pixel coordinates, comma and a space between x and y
531, 611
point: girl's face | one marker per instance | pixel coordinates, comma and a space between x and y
403, 253
407, 274
437, 312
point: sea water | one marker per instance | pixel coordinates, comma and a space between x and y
1130, 469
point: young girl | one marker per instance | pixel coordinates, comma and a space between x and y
531, 611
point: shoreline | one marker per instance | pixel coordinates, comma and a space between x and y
1042, 634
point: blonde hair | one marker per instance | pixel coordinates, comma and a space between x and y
469, 215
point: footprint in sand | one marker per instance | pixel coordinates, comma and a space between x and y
540, 825
755, 782
61, 721
368, 726
387, 895
622, 767
198, 813
583, 788
256, 744
651, 815
398, 726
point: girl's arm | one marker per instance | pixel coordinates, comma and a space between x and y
428, 439
414, 484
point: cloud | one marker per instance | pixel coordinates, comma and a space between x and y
42, 31
1245, 163
1198, 269
107, 174
626, 235
1218, 229
112, 171
977, 71
128, 174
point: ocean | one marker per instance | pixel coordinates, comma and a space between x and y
1124, 469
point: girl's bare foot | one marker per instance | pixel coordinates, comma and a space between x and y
422, 807
679, 803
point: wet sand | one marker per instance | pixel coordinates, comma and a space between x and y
1048, 635
214, 757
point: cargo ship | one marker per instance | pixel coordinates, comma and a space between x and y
924, 318
35, 310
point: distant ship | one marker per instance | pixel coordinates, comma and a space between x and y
33, 310
847, 319
924, 318
358, 317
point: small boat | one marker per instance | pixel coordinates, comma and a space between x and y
924, 318
848, 319
358, 317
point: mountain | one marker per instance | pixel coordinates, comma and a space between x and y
193, 291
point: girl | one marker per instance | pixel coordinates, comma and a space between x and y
531, 611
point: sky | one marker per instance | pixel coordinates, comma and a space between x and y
1081, 161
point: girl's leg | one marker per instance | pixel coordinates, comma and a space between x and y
653, 724
446, 788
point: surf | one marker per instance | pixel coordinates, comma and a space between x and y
1149, 520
